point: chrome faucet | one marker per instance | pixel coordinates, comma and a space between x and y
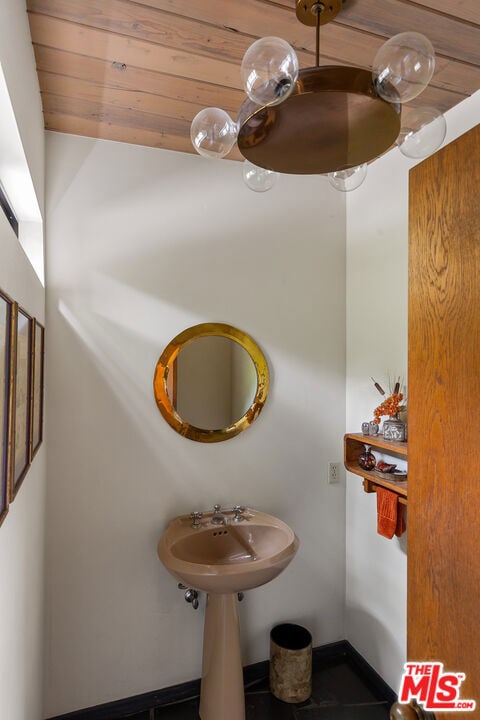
218, 518
238, 515
196, 517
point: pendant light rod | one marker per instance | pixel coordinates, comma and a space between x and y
318, 9
315, 13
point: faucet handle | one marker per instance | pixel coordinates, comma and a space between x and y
196, 518
218, 518
238, 513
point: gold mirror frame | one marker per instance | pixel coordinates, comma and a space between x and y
164, 367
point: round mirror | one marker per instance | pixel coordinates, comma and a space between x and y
211, 382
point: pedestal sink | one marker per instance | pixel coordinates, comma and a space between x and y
244, 552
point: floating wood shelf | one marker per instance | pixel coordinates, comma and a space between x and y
354, 445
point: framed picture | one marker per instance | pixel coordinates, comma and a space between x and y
38, 382
22, 358
6, 376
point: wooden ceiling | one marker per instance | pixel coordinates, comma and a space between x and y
139, 71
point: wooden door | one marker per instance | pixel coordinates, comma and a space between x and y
444, 414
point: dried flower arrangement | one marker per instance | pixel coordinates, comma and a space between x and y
391, 405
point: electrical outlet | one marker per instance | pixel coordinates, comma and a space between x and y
333, 472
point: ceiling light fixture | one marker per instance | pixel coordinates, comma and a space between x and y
328, 120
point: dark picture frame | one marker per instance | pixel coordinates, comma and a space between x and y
22, 333
6, 391
38, 370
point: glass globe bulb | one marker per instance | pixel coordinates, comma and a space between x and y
269, 71
213, 132
257, 178
403, 67
348, 180
423, 133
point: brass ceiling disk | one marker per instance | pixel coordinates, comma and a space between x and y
333, 120
308, 10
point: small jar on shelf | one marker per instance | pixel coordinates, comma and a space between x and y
367, 459
394, 429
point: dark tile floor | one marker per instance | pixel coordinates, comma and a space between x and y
338, 693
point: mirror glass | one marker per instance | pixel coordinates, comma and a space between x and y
211, 382
216, 382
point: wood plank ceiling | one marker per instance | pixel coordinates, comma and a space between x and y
139, 71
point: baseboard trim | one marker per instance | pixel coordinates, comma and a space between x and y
337, 651
370, 677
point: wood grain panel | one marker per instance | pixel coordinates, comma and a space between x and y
105, 129
442, 99
103, 73
52, 84
449, 36
254, 18
108, 131
131, 101
133, 20
80, 39
102, 112
137, 21
463, 9
456, 76
444, 396
196, 37
248, 13
339, 44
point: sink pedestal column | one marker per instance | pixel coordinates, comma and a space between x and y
222, 694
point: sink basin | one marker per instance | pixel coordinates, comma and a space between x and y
227, 558
222, 560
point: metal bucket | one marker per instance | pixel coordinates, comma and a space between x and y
290, 663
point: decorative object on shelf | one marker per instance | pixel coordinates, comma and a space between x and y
367, 459
389, 469
278, 126
384, 467
390, 406
395, 474
366, 428
394, 429
378, 386
372, 428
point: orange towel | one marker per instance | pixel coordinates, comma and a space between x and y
390, 519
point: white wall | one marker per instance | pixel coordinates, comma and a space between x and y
143, 243
22, 533
377, 247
